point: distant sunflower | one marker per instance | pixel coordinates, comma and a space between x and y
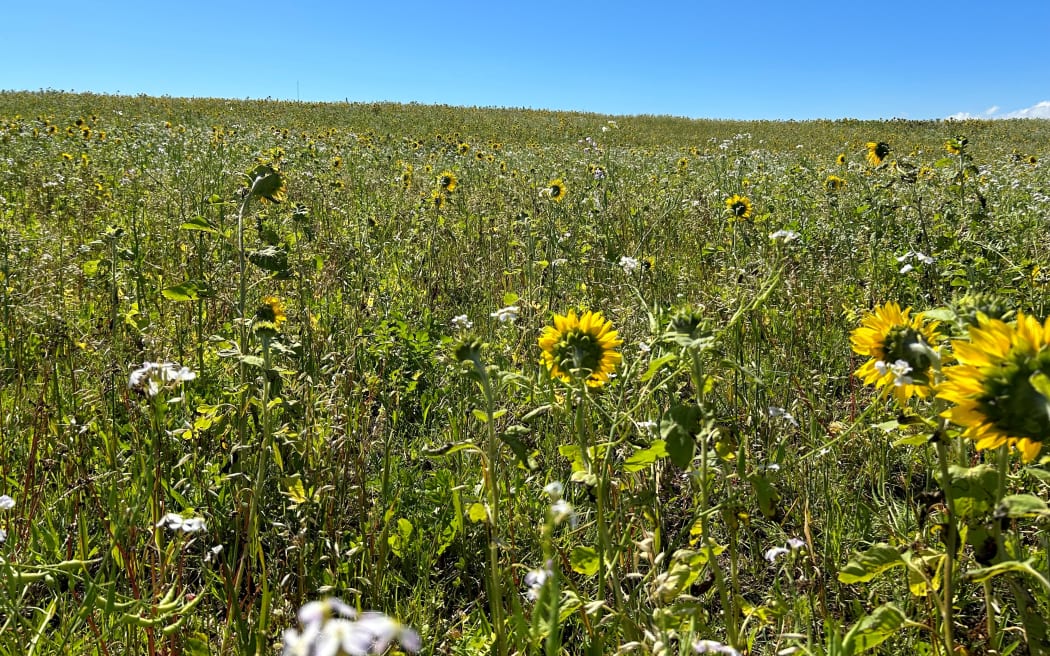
877, 151
463, 148
580, 348
834, 183
556, 190
956, 145
436, 199
1032, 159
269, 316
901, 351
739, 206
841, 159
1001, 386
448, 181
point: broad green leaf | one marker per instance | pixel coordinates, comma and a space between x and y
270, 258
657, 364
874, 629
974, 489
943, 314
645, 457
867, 565
767, 493
89, 268
984, 573
399, 539
924, 572
677, 429
1021, 505
191, 290
199, 224
510, 298
512, 438
584, 560
294, 489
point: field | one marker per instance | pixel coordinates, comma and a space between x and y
523, 382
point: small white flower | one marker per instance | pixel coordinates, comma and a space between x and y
554, 490
3, 536
152, 376
461, 322
907, 268
629, 264
534, 581
776, 552
785, 236
795, 544
713, 647
507, 314
644, 348
561, 510
899, 369
647, 425
177, 522
6, 502
781, 413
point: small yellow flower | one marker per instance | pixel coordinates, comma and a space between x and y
580, 348
841, 159
834, 183
448, 181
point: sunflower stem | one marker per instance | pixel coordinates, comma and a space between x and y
950, 539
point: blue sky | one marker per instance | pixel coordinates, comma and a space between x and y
740, 60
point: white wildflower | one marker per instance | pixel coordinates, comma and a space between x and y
776, 552
151, 377
6, 502
785, 236
713, 647
177, 522
507, 314
629, 264
461, 322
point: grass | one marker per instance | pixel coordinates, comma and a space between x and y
343, 436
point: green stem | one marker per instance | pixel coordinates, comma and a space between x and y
492, 479
950, 546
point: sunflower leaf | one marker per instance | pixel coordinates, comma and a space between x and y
874, 629
867, 565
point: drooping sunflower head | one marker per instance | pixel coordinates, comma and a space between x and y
877, 151
269, 316
739, 206
580, 348
956, 145
1001, 386
448, 181
901, 348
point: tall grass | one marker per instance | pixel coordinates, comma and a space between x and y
372, 449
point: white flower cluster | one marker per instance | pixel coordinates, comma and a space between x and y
507, 314
6, 503
330, 627
900, 370
922, 258
151, 377
177, 522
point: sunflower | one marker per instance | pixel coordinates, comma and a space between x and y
900, 348
448, 181
556, 190
269, 316
739, 206
834, 183
877, 151
956, 146
580, 348
841, 159
1001, 386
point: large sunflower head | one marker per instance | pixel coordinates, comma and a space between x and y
580, 348
1001, 384
901, 348
739, 206
877, 151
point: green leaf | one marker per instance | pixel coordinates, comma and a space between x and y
974, 489
985, 573
645, 457
90, 268
512, 438
399, 540
874, 629
510, 298
657, 364
199, 224
271, 259
191, 290
294, 490
943, 314
767, 493
867, 565
677, 429
584, 560
1021, 505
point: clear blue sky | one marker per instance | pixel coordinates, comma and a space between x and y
761, 59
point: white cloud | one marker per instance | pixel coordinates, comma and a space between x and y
1038, 110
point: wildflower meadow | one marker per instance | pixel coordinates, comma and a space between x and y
321, 379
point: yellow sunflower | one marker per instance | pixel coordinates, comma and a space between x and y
956, 145
834, 183
1001, 386
580, 348
269, 316
556, 190
448, 181
739, 206
877, 151
901, 350
841, 159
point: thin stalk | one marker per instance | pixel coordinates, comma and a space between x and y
949, 557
